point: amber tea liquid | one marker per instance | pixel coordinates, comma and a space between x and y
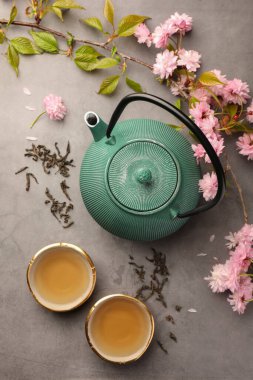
61, 276
120, 328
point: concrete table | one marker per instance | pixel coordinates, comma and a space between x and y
214, 343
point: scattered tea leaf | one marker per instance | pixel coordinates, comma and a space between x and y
28, 180
64, 188
211, 239
169, 318
22, 169
162, 346
215, 258
173, 337
60, 210
178, 308
202, 254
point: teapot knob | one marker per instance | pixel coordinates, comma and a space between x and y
144, 176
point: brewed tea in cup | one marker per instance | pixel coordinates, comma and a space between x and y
61, 276
119, 328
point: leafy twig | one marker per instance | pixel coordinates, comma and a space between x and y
78, 40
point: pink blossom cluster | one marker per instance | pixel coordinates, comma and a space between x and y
168, 61
55, 107
232, 275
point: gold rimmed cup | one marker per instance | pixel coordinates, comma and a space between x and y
61, 276
119, 328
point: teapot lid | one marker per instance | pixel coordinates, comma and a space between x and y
142, 176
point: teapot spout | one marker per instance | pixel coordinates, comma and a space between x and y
96, 125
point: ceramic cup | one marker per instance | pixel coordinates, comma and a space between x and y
37, 270
98, 321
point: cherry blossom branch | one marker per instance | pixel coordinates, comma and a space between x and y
239, 189
78, 40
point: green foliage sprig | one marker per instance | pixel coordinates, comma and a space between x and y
86, 57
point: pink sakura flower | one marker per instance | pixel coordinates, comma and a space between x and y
143, 35
210, 126
55, 107
161, 35
200, 112
199, 151
180, 85
166, 63
190, 59
244, 236
245, 145
218, 89
241, 257
236, 91
218, 278
217, 144
240, 298
250, 113
201, 94
208, 185
182, 23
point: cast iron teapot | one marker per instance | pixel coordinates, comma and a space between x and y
139, 178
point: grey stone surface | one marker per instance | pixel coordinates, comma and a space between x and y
213, 343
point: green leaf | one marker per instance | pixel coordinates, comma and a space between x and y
87, 50
171, 47
23, 45
232, 109
105, 63
13, 14
128, 24
86, 62
2, 36
57, 12
109, 85
67, 4
45, 41
94, 22
13, 58
109, 11
133, 85
113, 51
192, 101
178, 103
208, 78
176, 127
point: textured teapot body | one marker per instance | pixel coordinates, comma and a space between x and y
137, 182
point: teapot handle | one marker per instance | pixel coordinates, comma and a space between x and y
193, 128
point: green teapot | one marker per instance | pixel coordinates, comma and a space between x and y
139, 178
